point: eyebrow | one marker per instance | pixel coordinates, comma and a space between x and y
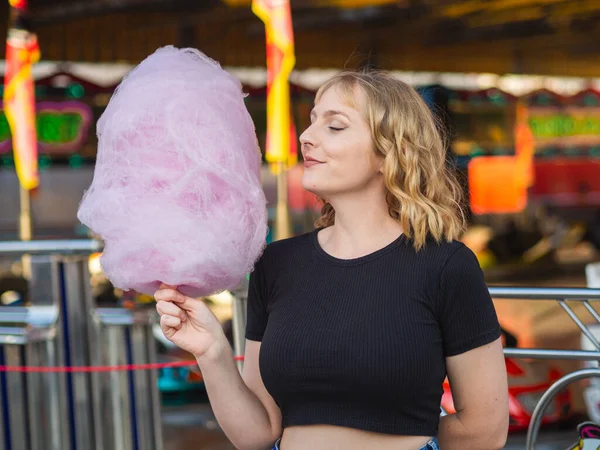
330, 112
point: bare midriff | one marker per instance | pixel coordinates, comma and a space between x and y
327, 437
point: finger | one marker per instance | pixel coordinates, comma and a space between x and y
170, 309
167, 286
167, 321
170, 295
166, 329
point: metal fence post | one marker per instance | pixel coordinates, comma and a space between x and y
16, 397
129, 400
238, 320
44, 293
31, 402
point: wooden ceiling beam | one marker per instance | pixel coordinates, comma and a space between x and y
67, 11
460, 9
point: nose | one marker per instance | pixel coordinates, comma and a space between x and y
306, 139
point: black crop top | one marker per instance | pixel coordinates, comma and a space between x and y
361, 343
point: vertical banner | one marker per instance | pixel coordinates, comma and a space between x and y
22, 51
524, 146
293, 156
499, 184
277, 17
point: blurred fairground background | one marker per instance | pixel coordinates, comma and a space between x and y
516, 83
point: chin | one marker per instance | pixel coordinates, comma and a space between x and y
310, 185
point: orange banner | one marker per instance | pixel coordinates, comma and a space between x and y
499, 184
495, 186
277, 17
524, 146
22, 51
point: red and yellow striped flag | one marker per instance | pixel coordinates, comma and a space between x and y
277, 17
22, 51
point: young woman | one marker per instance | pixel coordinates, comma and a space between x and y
352, 328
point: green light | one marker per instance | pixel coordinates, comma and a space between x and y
590, 100
4, 128
549, 152
55, 128
564, 125
75, 161
497, 98
477, 151
76, 90
7, 161
572, 151
543, 99
44, 162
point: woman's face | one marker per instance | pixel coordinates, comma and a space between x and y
337, 148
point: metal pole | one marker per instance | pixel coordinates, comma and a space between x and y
129, 402
17, 399
82, 246
238, 320
120, 406
77, 304
283, 227
538, 353
536, 293
580, 324
538, 412
25, 228
25, 224
154, 392
3, 401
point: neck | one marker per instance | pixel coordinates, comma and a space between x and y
362, 225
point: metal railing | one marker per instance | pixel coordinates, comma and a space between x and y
50, 247
561, 296
62, 328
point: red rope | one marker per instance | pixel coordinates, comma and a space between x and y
88, 369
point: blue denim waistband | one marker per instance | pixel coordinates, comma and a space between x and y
432, 444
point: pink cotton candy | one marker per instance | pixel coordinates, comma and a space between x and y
176, 194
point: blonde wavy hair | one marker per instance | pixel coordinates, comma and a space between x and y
422, 192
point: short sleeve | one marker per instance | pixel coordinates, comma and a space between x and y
256, 313
465, 311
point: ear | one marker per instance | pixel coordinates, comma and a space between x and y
381, 165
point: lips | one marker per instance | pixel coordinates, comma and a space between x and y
309, 161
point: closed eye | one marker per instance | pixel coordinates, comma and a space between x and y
336, 129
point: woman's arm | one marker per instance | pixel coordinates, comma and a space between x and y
480, 393
244, 409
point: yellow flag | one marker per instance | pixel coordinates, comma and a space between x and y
22, 51
277, 17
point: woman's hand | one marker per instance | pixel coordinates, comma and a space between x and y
189, 324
